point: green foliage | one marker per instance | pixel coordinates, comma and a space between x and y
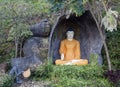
6, 52
44, 71
15, 20
72, 76
98, 82
19, 31
67, 5
116, 4
113, 42
6, 81
93, 59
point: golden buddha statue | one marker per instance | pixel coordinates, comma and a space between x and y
70, 51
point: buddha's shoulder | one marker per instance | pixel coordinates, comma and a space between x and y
76, 41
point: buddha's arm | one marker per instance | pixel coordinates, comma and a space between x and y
62, 56
77, 51
62, 50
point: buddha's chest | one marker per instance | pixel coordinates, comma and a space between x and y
70, 45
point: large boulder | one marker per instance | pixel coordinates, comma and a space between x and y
41, 29
19, 65
42, 44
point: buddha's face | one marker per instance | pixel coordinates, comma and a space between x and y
70, 34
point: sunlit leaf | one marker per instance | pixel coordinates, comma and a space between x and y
110, 21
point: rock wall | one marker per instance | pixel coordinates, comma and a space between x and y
34, 54
86, 33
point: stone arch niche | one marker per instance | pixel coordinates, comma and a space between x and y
85, 31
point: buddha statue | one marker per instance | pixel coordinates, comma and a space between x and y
70, 51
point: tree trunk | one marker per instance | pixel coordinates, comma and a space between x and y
20, 49
103, 39
16, 47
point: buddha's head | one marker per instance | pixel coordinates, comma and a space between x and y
70, 34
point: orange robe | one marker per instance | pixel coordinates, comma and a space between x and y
71, 51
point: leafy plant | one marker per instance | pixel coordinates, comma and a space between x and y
93, 59
67, 7
16, 18
72, 76
113, 46
6, 81
6, 52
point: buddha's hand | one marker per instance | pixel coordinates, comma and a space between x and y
62, 56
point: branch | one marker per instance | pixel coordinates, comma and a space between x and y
102, 37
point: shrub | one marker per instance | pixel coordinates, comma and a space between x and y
6, 81
113, 42
72, 76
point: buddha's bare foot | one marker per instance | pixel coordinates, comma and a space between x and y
74, 61
69, 63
